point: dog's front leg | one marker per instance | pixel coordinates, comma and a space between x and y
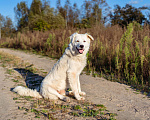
73, 81
79, 88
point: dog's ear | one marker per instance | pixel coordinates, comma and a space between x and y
89, 36
72, 36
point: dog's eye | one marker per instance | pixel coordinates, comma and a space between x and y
84, 41
77, 41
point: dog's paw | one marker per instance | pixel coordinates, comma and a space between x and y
71, 93
81, 98
82, 93
66, 99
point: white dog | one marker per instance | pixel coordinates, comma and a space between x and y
65, 72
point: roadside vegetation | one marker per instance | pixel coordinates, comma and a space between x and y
117, 54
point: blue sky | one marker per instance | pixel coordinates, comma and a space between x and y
7, 6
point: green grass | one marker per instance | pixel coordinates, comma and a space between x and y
15, 80
76, 109
9, 71
15, 98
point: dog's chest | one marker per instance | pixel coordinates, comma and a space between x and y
78, 64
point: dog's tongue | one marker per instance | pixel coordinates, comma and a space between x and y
81, 51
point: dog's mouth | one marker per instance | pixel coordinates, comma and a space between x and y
80, 50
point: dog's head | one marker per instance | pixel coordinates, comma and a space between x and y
80, 43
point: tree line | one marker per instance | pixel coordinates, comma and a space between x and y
40, 16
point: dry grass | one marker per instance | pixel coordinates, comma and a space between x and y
117, 54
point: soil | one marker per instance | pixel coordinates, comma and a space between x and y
118, 98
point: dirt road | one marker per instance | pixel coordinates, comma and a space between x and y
8, 107
118, 98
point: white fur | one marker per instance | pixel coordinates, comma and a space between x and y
65, 72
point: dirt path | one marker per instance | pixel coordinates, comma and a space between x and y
118, 98
8, 107
6, 103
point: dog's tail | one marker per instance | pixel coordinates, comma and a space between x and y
27, 92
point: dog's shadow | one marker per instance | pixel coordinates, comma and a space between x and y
32, 80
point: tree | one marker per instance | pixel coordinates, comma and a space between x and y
70, 20
44, 18
125, 15
67, 12
76, 14
39, 16
6, 26
21, 13
87, 7
36, 7
66, 8
36, 21
54, 19
96, 11
1, 21
147, 13
58, 4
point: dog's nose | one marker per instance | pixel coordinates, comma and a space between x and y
81, 46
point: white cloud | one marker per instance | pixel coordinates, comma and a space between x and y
146, 5
133, 2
